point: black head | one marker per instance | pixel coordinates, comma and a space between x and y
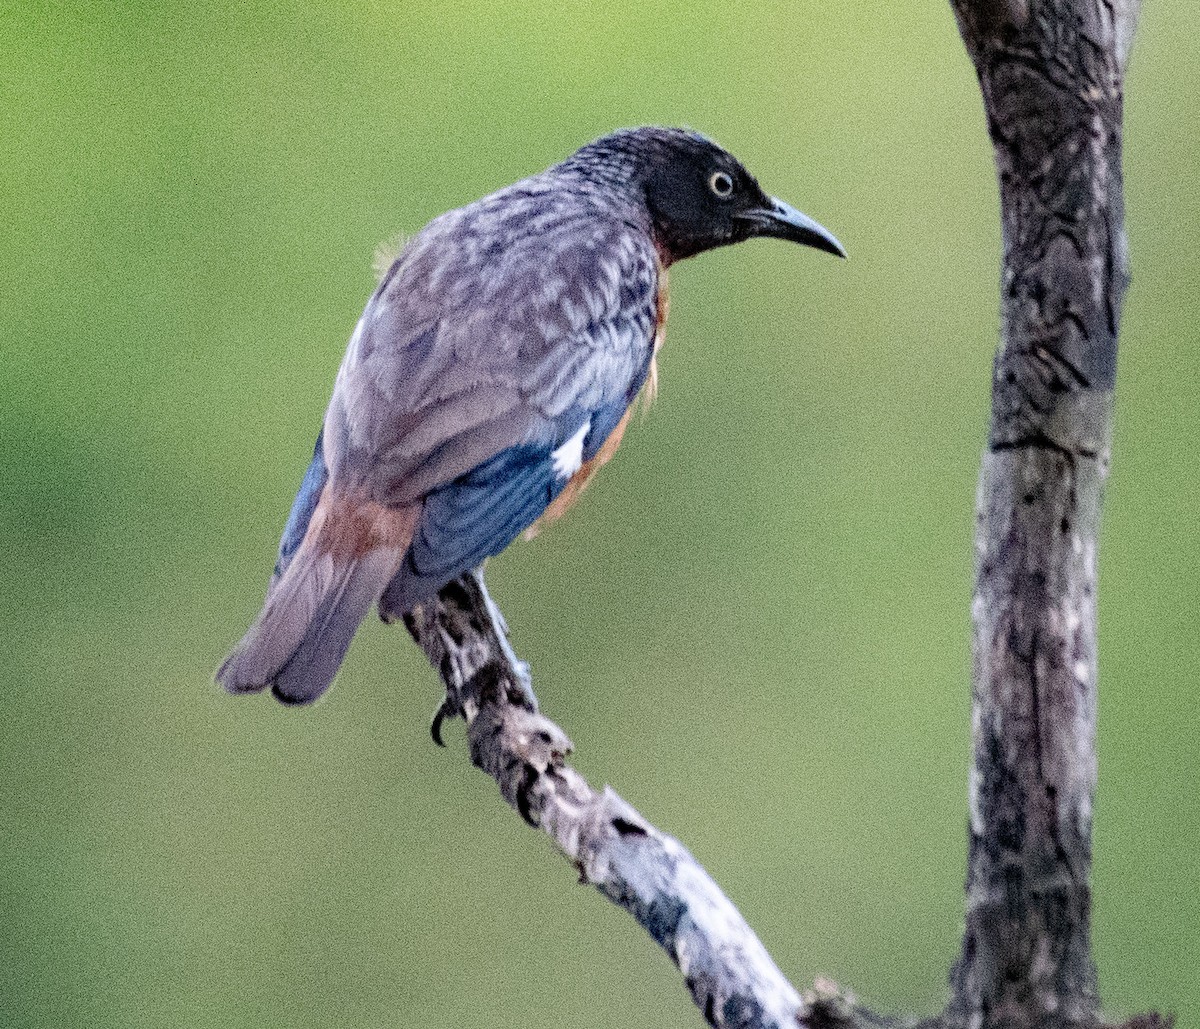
699, 196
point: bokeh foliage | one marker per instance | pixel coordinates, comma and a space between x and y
755, 626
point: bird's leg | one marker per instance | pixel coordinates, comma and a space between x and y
465, 638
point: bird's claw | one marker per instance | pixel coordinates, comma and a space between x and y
448, 708
515, 691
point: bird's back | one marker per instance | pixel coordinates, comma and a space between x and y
500, 323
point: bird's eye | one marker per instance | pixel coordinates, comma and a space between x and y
721, 183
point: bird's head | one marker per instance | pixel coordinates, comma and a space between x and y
700, 196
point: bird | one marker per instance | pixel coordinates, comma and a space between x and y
492, 372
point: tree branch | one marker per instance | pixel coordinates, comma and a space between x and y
651, 875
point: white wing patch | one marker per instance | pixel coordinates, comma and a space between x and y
568, 457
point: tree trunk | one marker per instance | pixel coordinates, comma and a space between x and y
1051, 75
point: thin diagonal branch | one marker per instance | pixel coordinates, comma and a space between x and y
651, 875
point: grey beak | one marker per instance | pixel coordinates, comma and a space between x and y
783, 221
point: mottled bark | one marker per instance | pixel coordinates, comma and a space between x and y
1051, 76
651, 875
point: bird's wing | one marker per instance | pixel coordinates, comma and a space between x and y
471, 346
481, 376
307, 498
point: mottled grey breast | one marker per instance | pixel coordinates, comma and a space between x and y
506, 322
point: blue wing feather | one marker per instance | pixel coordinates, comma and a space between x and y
470, 520
479, 514
302, 507
604, 421
466, 521
482, 513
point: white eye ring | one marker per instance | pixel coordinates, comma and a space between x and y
721, 183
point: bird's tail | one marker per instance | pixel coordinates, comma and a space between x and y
300, 637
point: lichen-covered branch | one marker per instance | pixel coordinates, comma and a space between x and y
730, 975
1051, 75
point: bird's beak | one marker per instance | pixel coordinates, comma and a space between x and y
783, 221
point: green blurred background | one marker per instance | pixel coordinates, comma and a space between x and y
755, 626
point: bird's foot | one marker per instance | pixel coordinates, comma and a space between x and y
497, 684
465, 638
519, 686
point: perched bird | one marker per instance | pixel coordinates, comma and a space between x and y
492, 372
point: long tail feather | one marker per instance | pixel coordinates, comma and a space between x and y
311, 669
312, 611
